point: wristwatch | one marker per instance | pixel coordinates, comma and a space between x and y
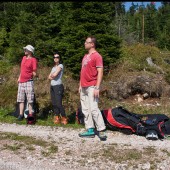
97, 87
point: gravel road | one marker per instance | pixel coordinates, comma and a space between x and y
75, 153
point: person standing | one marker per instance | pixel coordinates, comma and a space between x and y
57, 90
90, 80
28, 70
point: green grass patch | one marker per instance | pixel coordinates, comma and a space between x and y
121, 155
51, 150
28, 142
5, 117
14, 147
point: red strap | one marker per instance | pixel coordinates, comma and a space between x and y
159, 126
108, 115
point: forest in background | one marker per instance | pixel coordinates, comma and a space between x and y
63, 26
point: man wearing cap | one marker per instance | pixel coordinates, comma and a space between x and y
25, 81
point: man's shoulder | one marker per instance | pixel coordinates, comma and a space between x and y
97, 55
34, 58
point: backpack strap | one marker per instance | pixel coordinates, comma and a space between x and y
129, 115
109, 117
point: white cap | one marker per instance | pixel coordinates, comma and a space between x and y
29, 48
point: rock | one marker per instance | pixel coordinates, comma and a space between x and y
145, 96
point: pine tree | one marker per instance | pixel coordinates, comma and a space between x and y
84, 19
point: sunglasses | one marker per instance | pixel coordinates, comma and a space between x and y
56, 57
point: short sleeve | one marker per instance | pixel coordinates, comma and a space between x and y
61, 66
99, 61
34, 64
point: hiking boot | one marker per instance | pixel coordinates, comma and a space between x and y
64, 120
56, 120
88, 134
102, 135
20, 118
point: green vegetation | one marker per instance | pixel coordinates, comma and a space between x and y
63, 26
133, 61
20, 142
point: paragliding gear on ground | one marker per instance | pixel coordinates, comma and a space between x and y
152, 126
151, 135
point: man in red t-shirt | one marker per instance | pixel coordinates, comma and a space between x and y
25, 80
90, 80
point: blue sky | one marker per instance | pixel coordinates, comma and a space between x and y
128, 4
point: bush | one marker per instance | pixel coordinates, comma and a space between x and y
5, 67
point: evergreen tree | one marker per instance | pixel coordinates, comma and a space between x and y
164, 26
84, 19
151, 24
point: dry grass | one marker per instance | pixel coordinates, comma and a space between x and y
132, 63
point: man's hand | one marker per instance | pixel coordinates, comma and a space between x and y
79, 89
96, 93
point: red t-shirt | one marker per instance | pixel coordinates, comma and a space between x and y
27, 67
89, 69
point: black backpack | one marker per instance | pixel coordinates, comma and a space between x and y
148, 125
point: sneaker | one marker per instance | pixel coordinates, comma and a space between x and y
88, 134
102, 135
20, 118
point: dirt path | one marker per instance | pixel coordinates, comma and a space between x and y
119, 151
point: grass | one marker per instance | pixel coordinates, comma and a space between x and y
119, 155
133, 62
27, 142
47, 121
51, 150
14, 147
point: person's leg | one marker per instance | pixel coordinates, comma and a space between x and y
89, 124
21, 109
59, 90
95, 112
30, 95
30, 107
56, 119
54, 101
20, 99
85, 104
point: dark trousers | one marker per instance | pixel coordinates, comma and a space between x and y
56, 98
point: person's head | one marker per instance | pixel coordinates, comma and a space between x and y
57, 57
90, 43
29, 50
